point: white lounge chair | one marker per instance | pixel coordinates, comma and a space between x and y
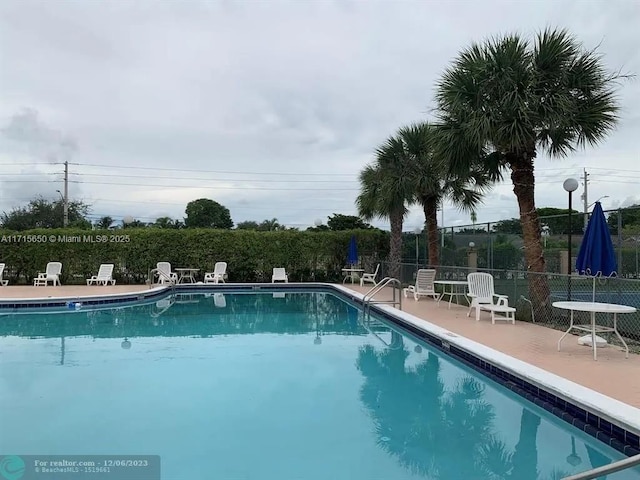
3, 283
483, 297
218, 274
164, 273
279, 275
52, 275
104, 276
424, 285
369, 277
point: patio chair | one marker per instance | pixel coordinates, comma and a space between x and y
3, 283
483, 297
104, 276
424, 285
218, 274
164, 273
369, 277
279, 275
52, 274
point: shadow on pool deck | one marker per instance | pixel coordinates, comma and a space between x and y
612, 374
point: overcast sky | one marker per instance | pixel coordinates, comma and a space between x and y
268, 107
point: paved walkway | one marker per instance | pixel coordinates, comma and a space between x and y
612, 374
27, 291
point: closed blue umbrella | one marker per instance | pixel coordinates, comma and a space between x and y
596, 257
352, 254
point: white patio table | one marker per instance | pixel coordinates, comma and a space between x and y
593, 328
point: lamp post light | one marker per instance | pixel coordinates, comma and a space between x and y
417, 231
570, 185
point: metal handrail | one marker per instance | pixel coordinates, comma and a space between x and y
623, 464
368, 298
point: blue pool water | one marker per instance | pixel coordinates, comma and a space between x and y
269, 386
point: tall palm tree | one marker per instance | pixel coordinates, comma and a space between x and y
386, 190
508, 99
433, 181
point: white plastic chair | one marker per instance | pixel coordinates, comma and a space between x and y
164, 273
369, 277
483, 297
279, 275
3, 283
104, 276
52, 274
424, 285
218, 274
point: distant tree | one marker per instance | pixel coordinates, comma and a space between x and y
135, 224
510, 227
247, 225
168, 222
630, 217
206, 213
270, 225
338, 222
104, 223
557, 219
318, 228
41, 213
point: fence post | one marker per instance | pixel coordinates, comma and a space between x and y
472, 256
619, 242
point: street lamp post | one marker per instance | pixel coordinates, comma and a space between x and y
417, 231
570, 185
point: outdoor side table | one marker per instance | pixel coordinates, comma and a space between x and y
454, 291
593, 328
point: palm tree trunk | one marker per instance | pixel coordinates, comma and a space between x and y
430, 207
525, 456
395, 246
524, 188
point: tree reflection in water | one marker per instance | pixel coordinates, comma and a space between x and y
438, 433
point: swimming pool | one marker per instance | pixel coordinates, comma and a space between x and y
269, 385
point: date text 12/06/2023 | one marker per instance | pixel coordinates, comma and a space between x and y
65, 239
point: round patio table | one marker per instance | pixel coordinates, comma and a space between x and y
593, 328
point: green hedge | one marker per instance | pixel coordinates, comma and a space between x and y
250, 255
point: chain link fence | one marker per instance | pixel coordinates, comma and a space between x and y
524, 288
500, 246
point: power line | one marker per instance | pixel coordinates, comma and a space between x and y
207, 171
209, 180
217, 187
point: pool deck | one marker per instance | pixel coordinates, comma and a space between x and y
612, 374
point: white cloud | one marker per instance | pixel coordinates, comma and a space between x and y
259, 87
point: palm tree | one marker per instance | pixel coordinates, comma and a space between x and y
104, 223
506, 100
434, 182
386, 190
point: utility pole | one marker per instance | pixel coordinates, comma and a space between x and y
65, 203
585, 199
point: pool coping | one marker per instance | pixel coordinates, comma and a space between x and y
607, 419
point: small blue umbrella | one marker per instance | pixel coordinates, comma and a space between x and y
596, 257
352, 255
